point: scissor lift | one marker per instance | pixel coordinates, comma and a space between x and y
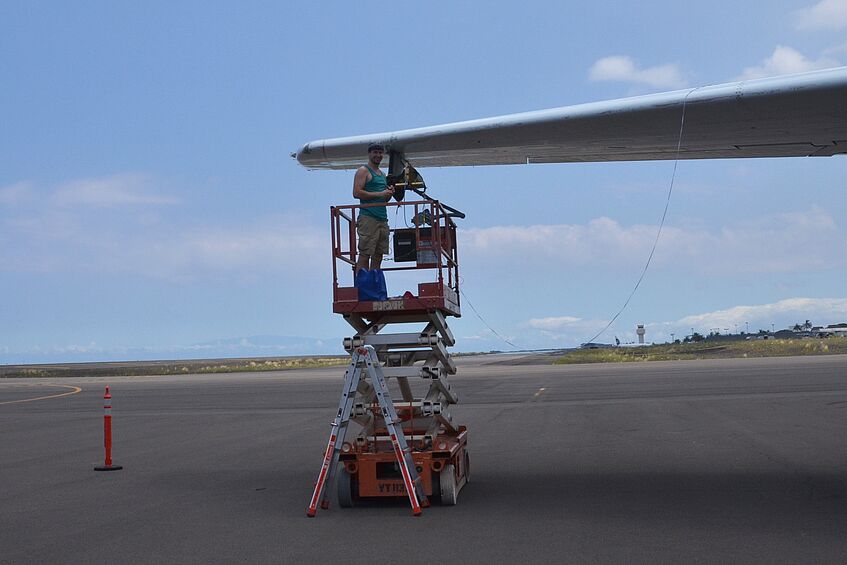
419, 361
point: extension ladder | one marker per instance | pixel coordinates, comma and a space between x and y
364, 359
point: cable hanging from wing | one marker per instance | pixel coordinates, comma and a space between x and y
481, 319
661, 223
410, 179
652, 250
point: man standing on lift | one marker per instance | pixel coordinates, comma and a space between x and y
370, 187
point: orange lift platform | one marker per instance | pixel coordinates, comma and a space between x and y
415, 364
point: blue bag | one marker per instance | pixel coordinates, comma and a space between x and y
371, 285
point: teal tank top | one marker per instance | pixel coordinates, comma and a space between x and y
376, 184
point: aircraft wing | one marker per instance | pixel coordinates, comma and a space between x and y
787, 116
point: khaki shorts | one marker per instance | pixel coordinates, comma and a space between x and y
373, 236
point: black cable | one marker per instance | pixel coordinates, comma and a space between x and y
661, 224
483, 320
649, 258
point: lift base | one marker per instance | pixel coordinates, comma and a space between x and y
370, 470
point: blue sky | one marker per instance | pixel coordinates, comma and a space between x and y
149, 207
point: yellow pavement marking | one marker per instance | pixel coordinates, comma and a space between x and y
74, 390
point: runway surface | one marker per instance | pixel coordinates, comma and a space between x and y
697, 462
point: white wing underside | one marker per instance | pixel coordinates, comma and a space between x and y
787, 116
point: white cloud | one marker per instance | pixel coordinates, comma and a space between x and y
175, 254
92, 347
272, 245
782, 314
782, 243
825, 15
601, 241
786, 60
623, 68
553, 323
68, 240
568, 331
15, 193
777, 315
562, 331
106, 192
67, 229
819, 310
275, 244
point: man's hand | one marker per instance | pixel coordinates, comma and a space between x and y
389, 192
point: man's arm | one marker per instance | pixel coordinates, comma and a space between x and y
359, 182
359, 191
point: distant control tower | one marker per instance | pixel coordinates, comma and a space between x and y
639, 329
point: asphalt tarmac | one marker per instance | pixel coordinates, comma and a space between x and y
741, 461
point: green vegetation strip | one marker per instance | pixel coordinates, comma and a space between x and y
709, 349
142, 368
